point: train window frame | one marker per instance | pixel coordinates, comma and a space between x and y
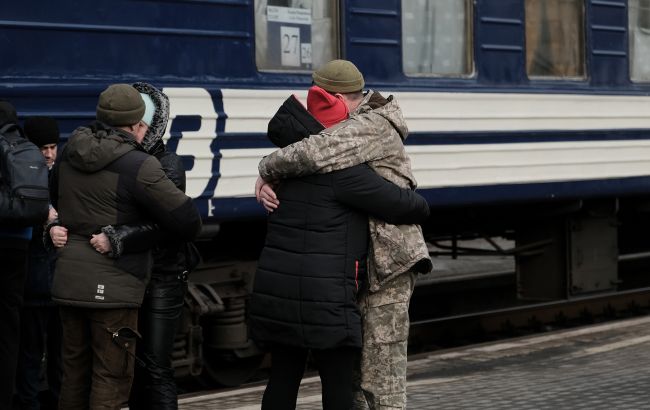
469, 52
632, 34
582, 49
335, 36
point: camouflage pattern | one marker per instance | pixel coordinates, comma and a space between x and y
372, 135
381, 382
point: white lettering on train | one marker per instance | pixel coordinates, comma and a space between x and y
195, 143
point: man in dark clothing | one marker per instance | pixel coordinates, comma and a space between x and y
154, 386
104, 177
313, 265
13, 254
40, 323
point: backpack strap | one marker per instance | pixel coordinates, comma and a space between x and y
6, 127
9, 126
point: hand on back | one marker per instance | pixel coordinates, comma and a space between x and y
265, 195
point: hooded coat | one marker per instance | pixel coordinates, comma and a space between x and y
314, 258
168, 250
104, 178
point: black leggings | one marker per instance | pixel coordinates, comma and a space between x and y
154, 386
335, 367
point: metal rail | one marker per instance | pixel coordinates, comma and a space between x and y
425, 332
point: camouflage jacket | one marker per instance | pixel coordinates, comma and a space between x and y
373, 134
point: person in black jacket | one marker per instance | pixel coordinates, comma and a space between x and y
154, 386
14, 242
40, 331
313, 265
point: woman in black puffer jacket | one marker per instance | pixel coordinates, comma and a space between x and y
313, 264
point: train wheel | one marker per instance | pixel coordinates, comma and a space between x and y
227, 369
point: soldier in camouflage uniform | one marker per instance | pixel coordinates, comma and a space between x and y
373, 134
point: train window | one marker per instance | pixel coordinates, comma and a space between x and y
555, 40
295, 35
639, 29
437, 37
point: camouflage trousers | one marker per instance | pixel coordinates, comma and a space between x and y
381, 381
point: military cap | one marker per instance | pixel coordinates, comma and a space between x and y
119, 105
339, 76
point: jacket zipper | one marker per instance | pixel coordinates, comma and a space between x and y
356, 274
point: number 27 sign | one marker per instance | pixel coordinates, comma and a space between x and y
289, 36
290, 43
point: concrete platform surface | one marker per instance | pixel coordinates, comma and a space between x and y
604, 366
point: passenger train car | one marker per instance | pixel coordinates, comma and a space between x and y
529, 119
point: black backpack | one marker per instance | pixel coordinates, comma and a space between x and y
24, 194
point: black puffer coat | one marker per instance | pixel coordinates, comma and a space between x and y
314, 258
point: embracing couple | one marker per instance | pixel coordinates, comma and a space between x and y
343, 246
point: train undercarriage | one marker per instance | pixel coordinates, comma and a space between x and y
504, 257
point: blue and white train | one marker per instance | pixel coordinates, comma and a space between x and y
528, 119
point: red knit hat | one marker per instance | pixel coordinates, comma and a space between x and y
328, 109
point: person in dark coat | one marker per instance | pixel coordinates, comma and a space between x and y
104, 177
40, 332
154, 386
313, 265
14, 242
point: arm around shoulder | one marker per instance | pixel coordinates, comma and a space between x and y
322, 153
168, 205
292, 161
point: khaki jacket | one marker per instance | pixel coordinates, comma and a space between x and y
373, 134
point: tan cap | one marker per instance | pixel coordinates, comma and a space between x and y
339, 76
119, 105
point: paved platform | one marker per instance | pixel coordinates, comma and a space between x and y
604, 366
